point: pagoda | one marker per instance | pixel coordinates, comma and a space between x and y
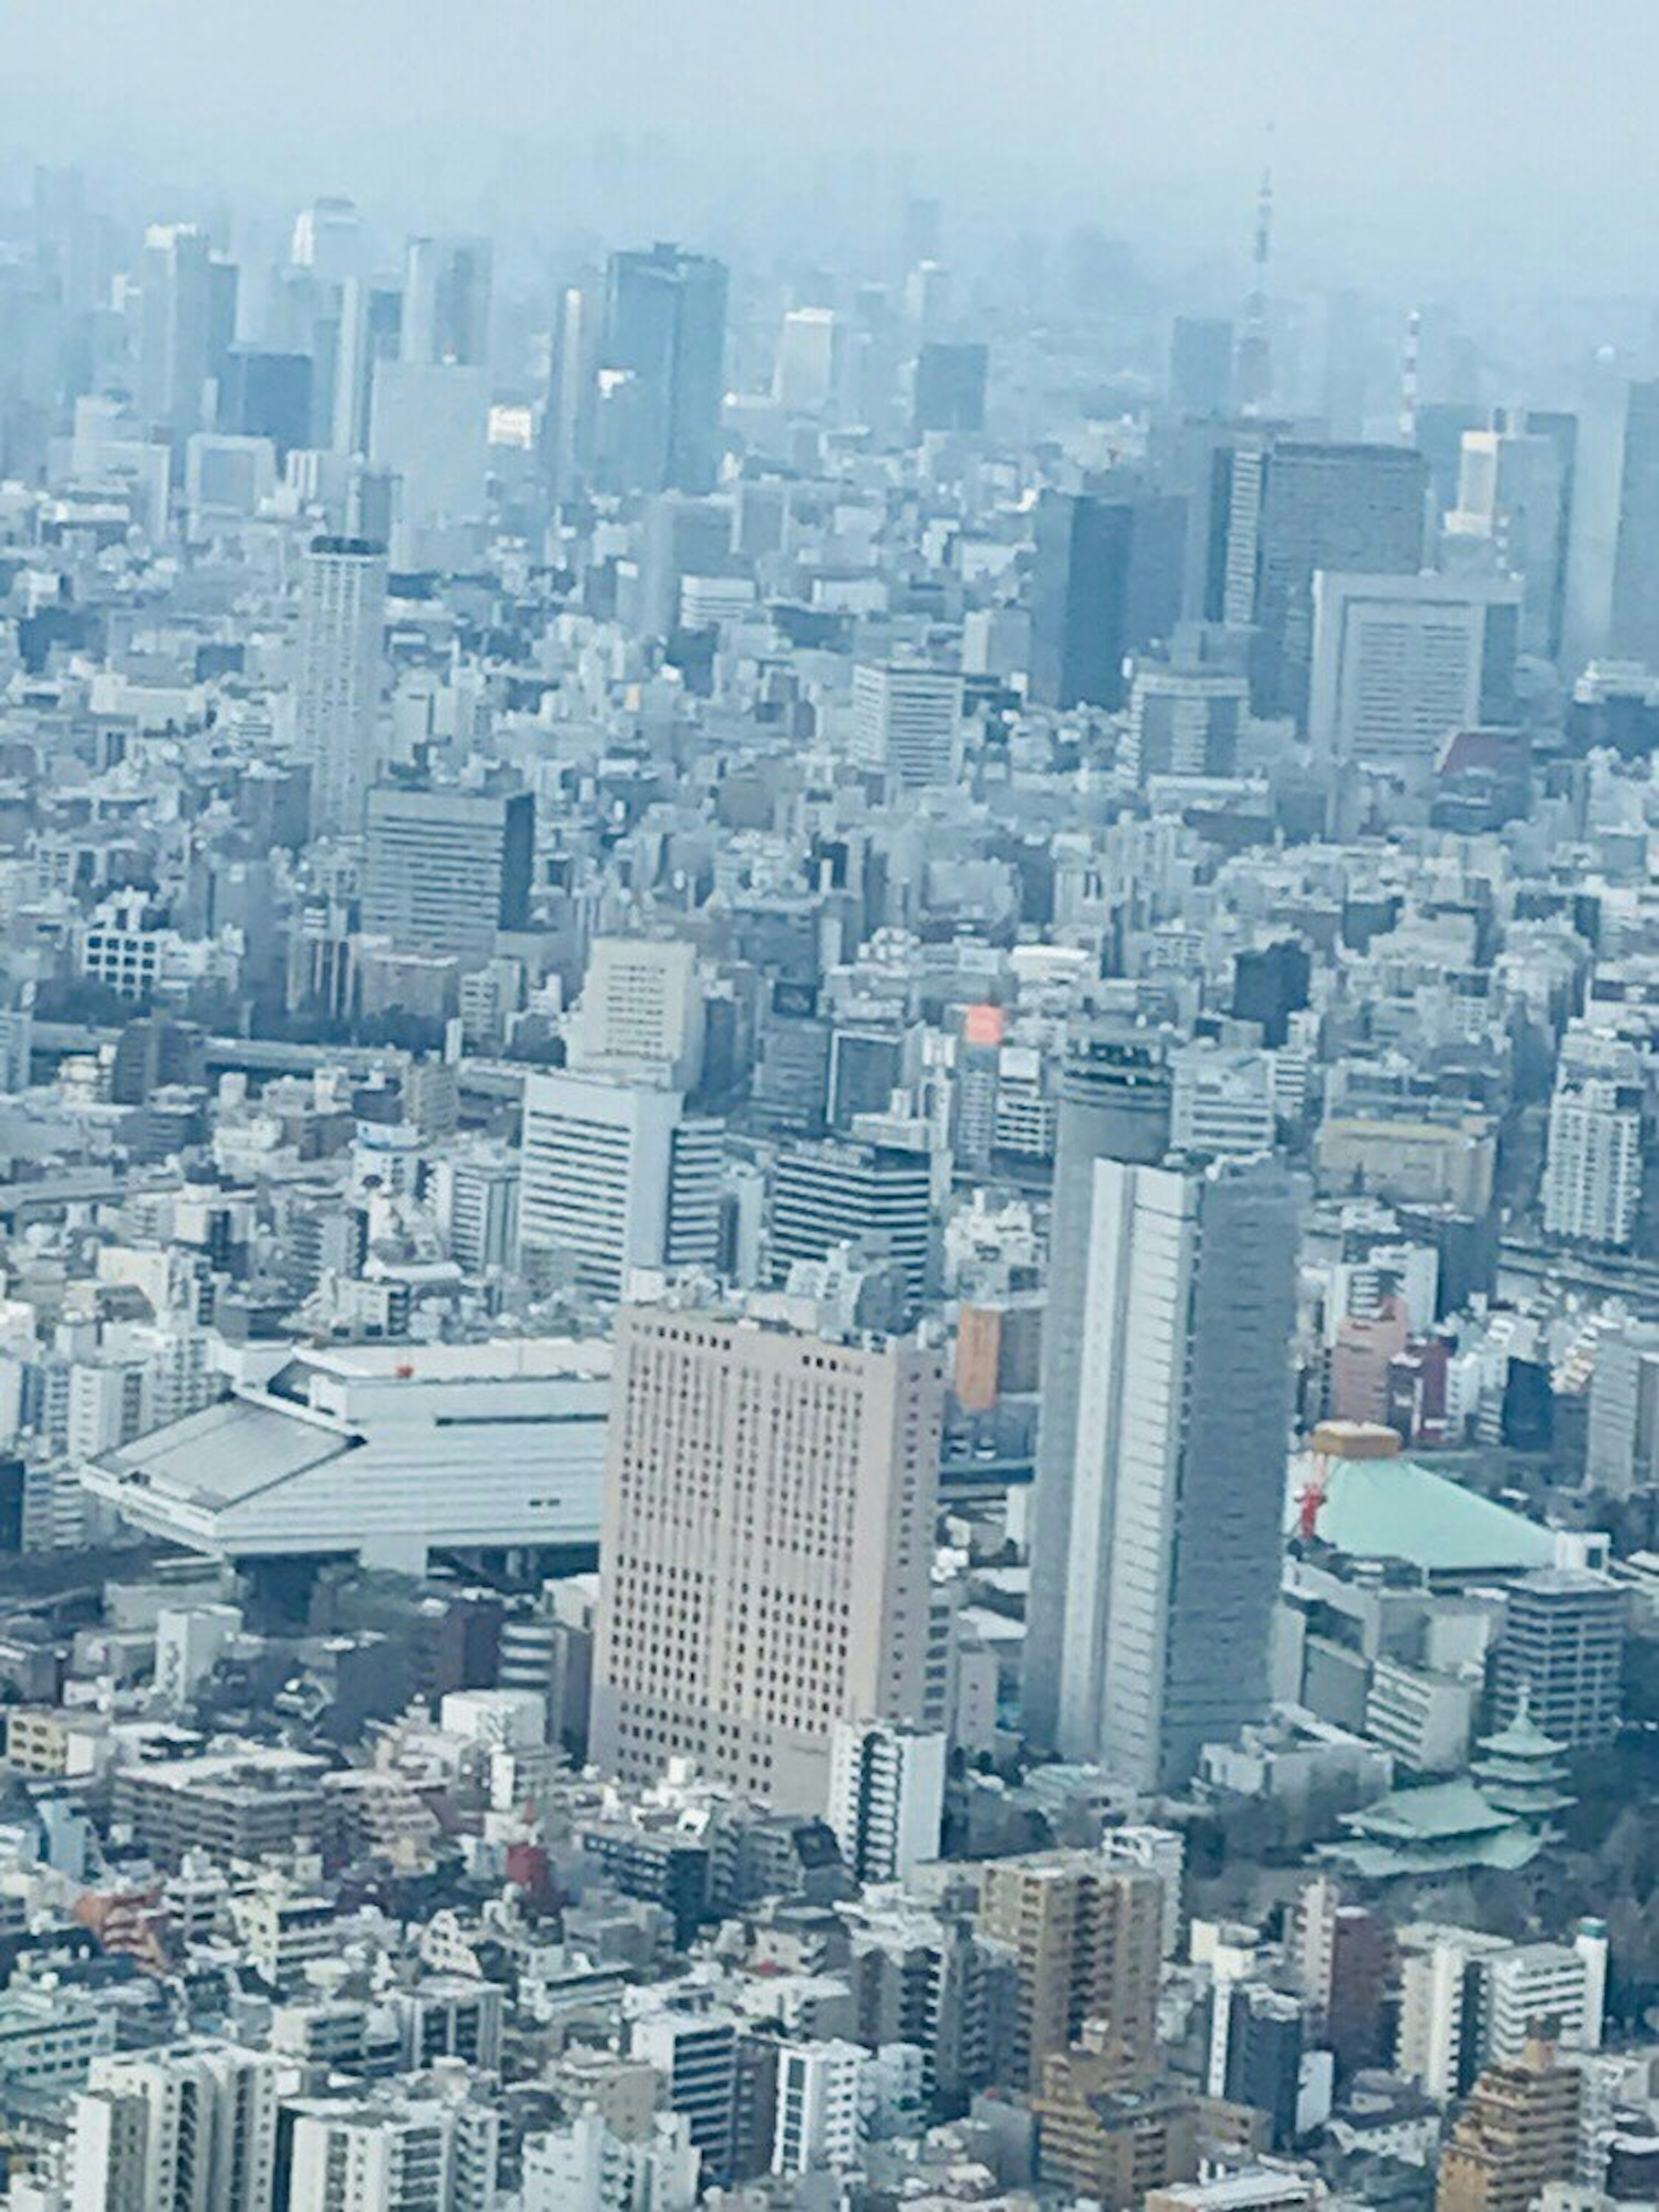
1521, 1771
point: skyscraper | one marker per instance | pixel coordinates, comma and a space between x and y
765, 1548
664, 326
1114, 1104
614, 1177
1402, 663
447, 868
567, 420
1106, 582
951, 378
328, 238
337, 694
1177, 1488
1512, 492
806, 370
187, 321
1635, 633
641, 1018
907, 722
876, 1197
268, 395
1350, 507
445, 315
1201, 365
371, 327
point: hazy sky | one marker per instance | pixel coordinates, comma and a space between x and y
1433, 126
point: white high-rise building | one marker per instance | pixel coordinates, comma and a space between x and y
1622, 1451
338, 696
803, 375
1177, 1491
386, 2153
767, 1544
1528, 1984
584, 2167
1592, 1189
1164, 1850
476, 1197
1401, 663
196, 2121
907, 722
694, 2049
328, 238
1511, 493
429, 425
640, 1016
886, 1797
1221, 1101
615, 1176
818, 2124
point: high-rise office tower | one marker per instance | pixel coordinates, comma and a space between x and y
1635, 625
338, 695
1562, 1651
1222, 468
1512, 493
951, 380
429, 426
1107, 582
445, 314
1357, 508
665, 327
615, 1176
1562, 430
371, 331
1201, 365
682, 537
641, 1018
806, 370
1177, 1485
765, 1547
187, 323
1087, 1938
447, 868
567, 418
878, 1198
1518, 2132
328, 238
268, 395
1188, 709
907, 722
886, 1797
1114, 1105
1402, 663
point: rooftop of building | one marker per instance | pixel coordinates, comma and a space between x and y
1398, 1509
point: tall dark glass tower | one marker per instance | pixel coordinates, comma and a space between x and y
664, 326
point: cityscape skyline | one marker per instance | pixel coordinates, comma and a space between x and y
828, 1092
